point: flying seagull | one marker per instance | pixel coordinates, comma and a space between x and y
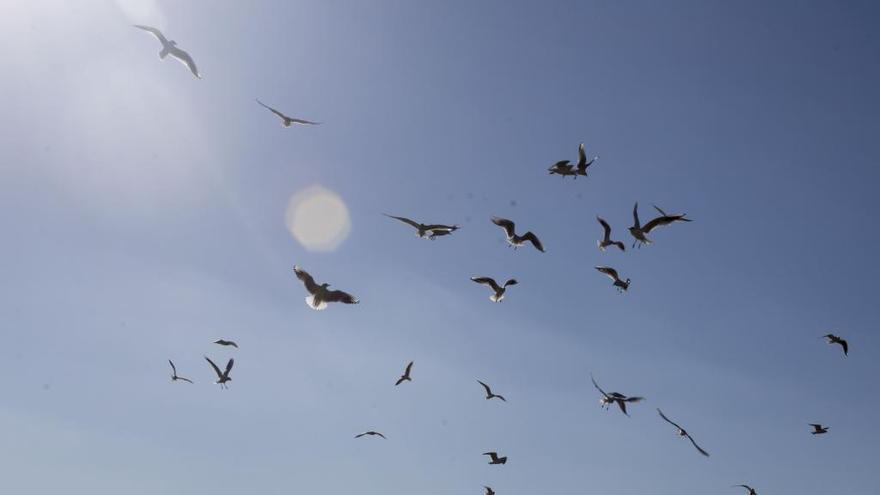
169, 47
818, 429
517, 240
370, 433
222, 377
499, 289
606, 238
320, 294
285, 120
226, 343
747, 487
614, 398
640, 232
683, 433
834, 339
563, 168
489, 394
405, 376
494, 459
582, 163
429, 231
174, 376
489, 491
612, 274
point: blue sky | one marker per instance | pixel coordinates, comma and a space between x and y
143, 217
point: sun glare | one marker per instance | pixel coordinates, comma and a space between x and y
317, 218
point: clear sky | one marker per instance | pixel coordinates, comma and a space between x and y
143, 217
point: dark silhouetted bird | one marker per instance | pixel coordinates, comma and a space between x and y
489, 394
405, 376
174, 376
320, 294
614, 398
427, 231
226, 343
683, 433
517, 240
606, 237
222, 377
818, 429
498, 289
285, 120
621, 285
640, 232
370, 433
834, 339
494, 459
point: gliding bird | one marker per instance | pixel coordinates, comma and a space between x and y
489, 394
405, 376
818, 429
606, 238
370, 433
320, 294
639, 232
517, 240
834, 339
285, 120
429, 231
226, 343
494, 459
683, 433
174, 376
499, 289
612, 274
222, 377
169, 47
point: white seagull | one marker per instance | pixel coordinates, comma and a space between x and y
169, 47
405, 376
612, 274
517, 240
606, 238
489, 394
174, 376
427, 231
640, 232
499, 289
683, 433
614, 398
222, 377
285, 120
320, 295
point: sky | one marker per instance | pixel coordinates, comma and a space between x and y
145, 214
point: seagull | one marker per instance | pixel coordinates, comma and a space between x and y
169, 47
489, 394
818, 429
834, 339
563, 168
606, 239
223, 377
499, 289
320, 294
517, 240
494, 459
489, 491
747, 487
226, 343
639, 232
612, 274
174, 376
405, 376
614, 398
285, 120
683, 433
582, 163
429, 231
370, 433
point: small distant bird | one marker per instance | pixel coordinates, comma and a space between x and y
494, 459
174, 376
614, 398
563, 168
834, 339
489, 394
612, 274
683, 433
818, 429
320, 294
606, 238
226, 343
582, 163
370, 433
640, 232
405, 376
169, 47
489, 491
429, 231
517, 240
285, 120
499, 289
747, 487
222, 377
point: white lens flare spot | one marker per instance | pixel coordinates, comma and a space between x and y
317, 218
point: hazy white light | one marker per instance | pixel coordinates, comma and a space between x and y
142, 12
317, 218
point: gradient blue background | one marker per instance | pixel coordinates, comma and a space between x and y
142, 214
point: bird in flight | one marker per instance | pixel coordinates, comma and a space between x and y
606, 238
612, 274
614, 398
370, 433
320, 295
640, 232
818, 429
489, 394
489, 491
582, 163
226, 343
494, 459
285, 120
169, 47
429, 231
517, 240
174, 376
222, 377
405, 376
683, 433
563, 168
747, 487
498, 289
834, 339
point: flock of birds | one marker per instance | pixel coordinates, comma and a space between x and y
320, 295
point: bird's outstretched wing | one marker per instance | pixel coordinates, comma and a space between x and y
663, 220
437, 226
487, 281
304, 121
605, 227
341, 296
186, 60
699, 449
529, 236
155, 32
582, 157
636, 215
229, 366
610, 272
306, 279
488, 390
844, 345
276, 112
597, 386
673, 423
216, 369
405, 220
511, 281
508, 226
173, 368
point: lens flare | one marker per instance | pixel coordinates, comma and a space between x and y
317, 218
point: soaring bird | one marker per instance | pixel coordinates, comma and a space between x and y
489, 491
747, 487
640, 232
606, 238
285, 120
226, 343
563, 168
614, 398
169, 47
405, 376
582, 163
834, 339
222, 377
683, 433
489, 394
174, 376
818, 429
370, 433
612, 274
427, 231
517, 240
320, 294
494, 459
499, 289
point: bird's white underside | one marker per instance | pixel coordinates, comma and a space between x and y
310, 300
